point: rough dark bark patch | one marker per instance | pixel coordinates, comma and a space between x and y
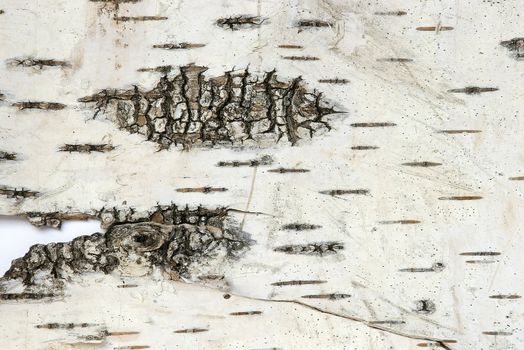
313, 23
320, 248
264, 160
55, 106
515, 46
179, 46
86, 148
240, 22
13, 192
39, 63
343, 192
7, 155
233, 109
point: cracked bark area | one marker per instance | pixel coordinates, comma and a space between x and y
236, 108
181, 250
515, 46
40, 63
240, 22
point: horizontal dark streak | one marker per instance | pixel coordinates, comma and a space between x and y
460, 198
132, 347
363, 148
245, 313
343, 192
121, 333
300, 227
505, 296
158, 69
334, 81
301, 58
331, 296
288, 170
201, 189
391, 13
127, 286
496, 333
460, 131
372, 125
297, 283
191, 330
388, 322
37, 62
480, 261
473, 90
422, 164
86, 148
313, 23
139, 18
480, 253
180, 46
26, 296
39, 105
402, 222
64, 325
395, 59
7, 156
517, 178
434, 29
289, 46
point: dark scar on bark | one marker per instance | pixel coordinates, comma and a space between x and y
120, 333
319, 248
391, 13
296, 283
86, 148
288, 170
343, 192
460, 198
240, 22
27, 296
132, 347
139, 18
235, 109
391, 322
300, 227
486, 253
441, 343
434, 29
55, 106
65, 325
37, 62
201, 189
515, 46
179, 46
175, 248
401, 222
264, 160
497, 333
13, 192
460, 131
473, 90
425, 306
513, 178
313, 23
7, 156
364, 148
373, 125
505, 296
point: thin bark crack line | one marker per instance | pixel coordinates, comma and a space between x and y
251, 190
367, 323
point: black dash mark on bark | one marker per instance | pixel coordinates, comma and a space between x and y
120, 333
191, 330
158, 69
26, 296
245, 313
313, 23
319, 248
391, 13
363, 148
390, 322
65, 325
297, 283
460, 198
301, 58
290, 46
201, 189
437, 267
434, 28
486, 253
515, 46
460, 131
300, 227
395, 59
401, 222
132, 347
127, 286
330, 296
234, 109
473, 90
373, 125
344, 192
497, 333
513, 178
505, 296
264, 160
441, 343
86, 148
424, 164
179, 46
288, 170
39, 63
13, 192
479, 261
425, 306
39, 105
240, 22
334, 81
7, 156
139, 18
